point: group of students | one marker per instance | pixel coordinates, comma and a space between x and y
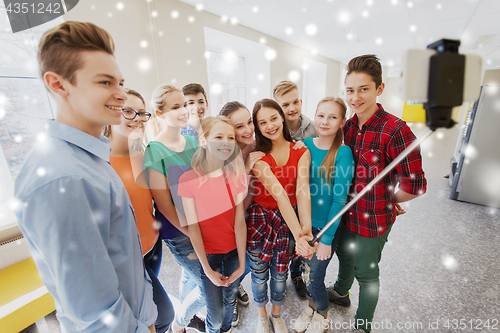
224, 203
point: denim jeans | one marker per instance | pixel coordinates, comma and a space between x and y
314, 278
360, 261
152, 263
260, 277
221, 300
190, 285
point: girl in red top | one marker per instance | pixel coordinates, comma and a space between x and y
273, 225
212, 195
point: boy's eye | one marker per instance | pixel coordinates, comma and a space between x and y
191, 103
107, 83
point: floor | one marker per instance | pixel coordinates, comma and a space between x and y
439, 269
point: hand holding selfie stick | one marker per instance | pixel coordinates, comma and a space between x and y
445, 91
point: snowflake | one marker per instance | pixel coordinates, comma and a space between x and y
174, 14
311, 29
344, 17
41, 171
254, 91
262, 40
255, 9
373, 265
144, 64
143, 44
62, 190
18, 138
261, 77
191, 19
294, 76
216, 88
199, 7
120, 6
289, 30
320, 201
271, 54
352, 245
450, 262
109, 319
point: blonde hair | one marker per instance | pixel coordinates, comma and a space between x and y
157, 104
284, 87
234, 163
327, 167
60, 47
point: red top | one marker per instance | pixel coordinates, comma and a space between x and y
215, 207
140, 196
286, 175
374, 146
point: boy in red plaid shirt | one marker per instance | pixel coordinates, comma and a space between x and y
375, 138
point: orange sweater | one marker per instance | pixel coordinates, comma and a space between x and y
140, 196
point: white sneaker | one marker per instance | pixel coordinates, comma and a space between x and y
278, 324
318, 324
262, 326
303, 321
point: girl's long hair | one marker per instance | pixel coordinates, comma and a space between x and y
327, 167
139, 144
199, 162
264, 144
157, 104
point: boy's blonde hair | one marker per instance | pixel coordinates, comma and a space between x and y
233, 163
284, 87
60, 47
327, 167
157, 104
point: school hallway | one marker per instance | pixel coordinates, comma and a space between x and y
439, 269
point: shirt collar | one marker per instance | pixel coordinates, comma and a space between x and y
373, 121
96, 146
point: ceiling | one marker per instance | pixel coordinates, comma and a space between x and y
343, 29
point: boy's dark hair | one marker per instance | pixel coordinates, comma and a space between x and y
262, 143
194, 89
60, 47
368, 64
231, 107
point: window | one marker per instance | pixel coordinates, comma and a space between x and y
313, 86
237, 69
25, 104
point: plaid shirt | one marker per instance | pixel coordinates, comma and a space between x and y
268, 226
374, 146
191, 132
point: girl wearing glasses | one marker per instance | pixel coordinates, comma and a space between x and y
126, 157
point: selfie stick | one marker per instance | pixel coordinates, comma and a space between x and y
368, 187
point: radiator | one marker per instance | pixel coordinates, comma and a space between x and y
13, 251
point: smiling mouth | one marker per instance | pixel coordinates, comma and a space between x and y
182, 119
226, 151
272, 132
324, 128
115, 108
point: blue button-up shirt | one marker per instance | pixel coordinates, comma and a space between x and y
77, 217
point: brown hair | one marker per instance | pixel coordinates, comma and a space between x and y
233, 163
283, 87
327, 167
60, 47
231, 107
107, 129
194, 89
368, 64
262, 143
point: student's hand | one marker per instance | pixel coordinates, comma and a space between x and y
324, 251
398, 209
217, 278
298, 144
252, 158
303, 248
236, 275
152, 328
306, 230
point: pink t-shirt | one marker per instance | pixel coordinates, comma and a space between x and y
215, 202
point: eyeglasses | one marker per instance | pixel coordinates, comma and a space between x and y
130, 114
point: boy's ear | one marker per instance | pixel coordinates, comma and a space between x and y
56, 83
380, 89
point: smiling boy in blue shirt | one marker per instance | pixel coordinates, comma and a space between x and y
72, 207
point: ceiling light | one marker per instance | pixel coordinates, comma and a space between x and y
413, 28
199, 7
409, 4
439, 6
255, 9
394, 2
369, 2
365, 14
289, 30
379, 41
